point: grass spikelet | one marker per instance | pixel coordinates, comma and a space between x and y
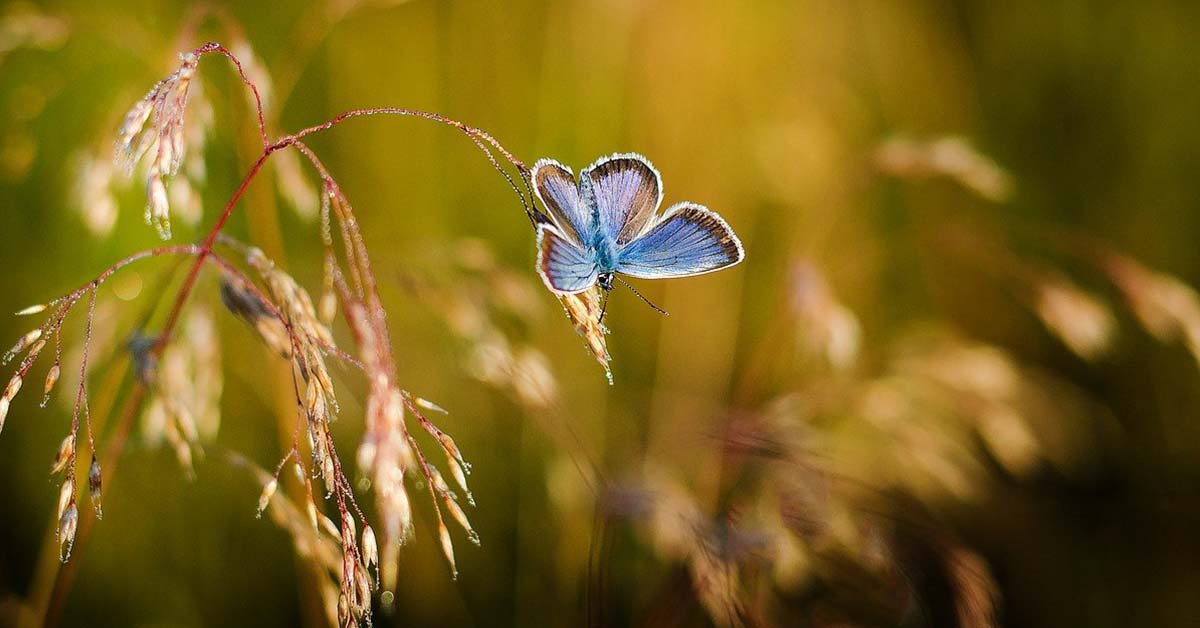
68, 523
1166, 307
52, 376
264, 498
31, 310
1080, 320
257, 314
13, 387
370, 549
66, 451
447, 548
974, 589
22, 343
95, 478
66, 496
584, 311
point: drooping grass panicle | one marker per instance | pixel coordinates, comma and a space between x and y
154, 126
179, 376
1166, 307
826, 329
951, 157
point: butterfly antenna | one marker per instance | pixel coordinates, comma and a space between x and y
604, 306
643, 298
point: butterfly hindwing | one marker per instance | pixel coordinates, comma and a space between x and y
555, 186
564, 266
624, 191
688, 240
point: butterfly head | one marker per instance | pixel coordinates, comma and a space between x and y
605, 280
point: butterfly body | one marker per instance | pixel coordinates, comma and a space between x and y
606, 253
608, 223
604, 250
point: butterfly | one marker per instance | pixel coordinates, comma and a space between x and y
608, 223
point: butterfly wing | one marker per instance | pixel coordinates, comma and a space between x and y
555, 186
688, 240
624, 191
565, 267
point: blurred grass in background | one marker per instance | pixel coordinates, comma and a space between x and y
878, 294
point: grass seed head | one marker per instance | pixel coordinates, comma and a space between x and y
584, 309
95, 478
330, 528
158, 206
66, 496
31, 310
1081, 321
447, 548
13, 387
155, 126
68, 522
264, 499
22, 343
343, 610
370, 550
362, 590
65, 451
51, 379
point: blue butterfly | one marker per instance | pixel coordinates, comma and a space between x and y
608, 223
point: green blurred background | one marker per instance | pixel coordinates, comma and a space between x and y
772, 113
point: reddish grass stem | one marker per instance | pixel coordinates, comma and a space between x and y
258, 105
205, 250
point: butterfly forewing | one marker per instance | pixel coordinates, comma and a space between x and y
555, 186
688, 240
564, 266
626, 191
